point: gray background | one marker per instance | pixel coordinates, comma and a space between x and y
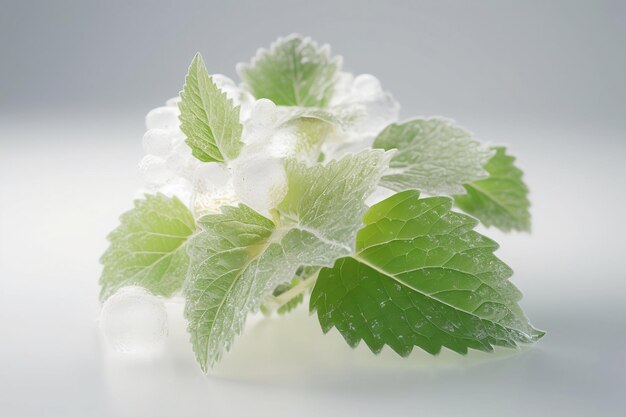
546, 78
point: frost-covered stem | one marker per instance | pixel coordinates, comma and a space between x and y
274, 302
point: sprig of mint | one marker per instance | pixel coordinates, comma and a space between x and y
407, 272
208, 118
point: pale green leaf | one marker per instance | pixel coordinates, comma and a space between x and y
500, 200
295, 71
433, 155
239, 257
208, 117
421, 277
147, 248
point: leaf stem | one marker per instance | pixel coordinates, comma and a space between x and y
274, 302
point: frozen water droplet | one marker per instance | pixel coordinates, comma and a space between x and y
282, 143
260, 181
212, 189
210, 176
265, 110
181, 161
173, 102
154, 170
262, 121
157, 142
377, 108
134, 321
163, 118
180, 188
367, 85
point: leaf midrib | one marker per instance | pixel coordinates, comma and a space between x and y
381, 271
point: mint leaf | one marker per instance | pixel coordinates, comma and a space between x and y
239, 257
208, 117
433, 155
421, 277
147, 248
500, 200
294, 72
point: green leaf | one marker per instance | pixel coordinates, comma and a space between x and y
294, 72
433, 155
148, 247
421, 277
239, 257
500, 200
208, 118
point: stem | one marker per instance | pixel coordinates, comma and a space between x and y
274, 302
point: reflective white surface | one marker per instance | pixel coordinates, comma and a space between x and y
64, 182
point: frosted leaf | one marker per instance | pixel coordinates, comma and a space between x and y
163, 118
148, 247
433, 155
208, 117
133, 321
295, 71
500, 200
239, 257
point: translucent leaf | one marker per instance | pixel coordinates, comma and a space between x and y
147, 248
500, 200
434, 156
208, 117
239, 257
295, 71
421, 277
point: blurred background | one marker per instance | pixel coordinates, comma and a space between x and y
544, 78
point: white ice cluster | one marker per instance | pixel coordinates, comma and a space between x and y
257, 177
134, 321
